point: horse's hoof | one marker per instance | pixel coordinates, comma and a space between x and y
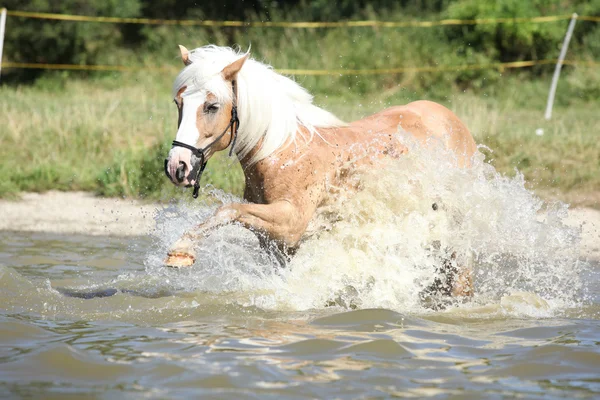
179, 260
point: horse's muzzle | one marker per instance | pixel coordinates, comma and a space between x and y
180, 172
196, 172
180, 175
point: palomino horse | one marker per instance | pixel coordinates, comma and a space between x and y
292, 152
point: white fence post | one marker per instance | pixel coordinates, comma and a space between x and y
2, 23
561, 58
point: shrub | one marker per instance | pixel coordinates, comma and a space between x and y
62, 42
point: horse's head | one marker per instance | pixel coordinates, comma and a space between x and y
206, 98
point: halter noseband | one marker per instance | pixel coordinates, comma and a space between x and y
234, 124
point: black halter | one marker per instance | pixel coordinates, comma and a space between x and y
234, 124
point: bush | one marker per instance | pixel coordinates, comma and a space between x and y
43, 41
135, 172
62, 42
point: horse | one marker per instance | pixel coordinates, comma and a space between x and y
292, 152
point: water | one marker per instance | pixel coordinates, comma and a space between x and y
343, 319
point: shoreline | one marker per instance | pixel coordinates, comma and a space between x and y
77, 213
84, 213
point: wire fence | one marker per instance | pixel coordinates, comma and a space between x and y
303, 25
318, 72
298, 25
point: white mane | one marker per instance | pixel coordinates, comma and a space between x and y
271, 107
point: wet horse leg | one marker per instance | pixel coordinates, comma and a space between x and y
455, 277
454, 274
280, 221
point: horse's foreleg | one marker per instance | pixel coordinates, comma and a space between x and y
462, 282
182, 253
280, 221
457, 273
454, 277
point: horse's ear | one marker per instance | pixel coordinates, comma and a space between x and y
230, 71
185, 55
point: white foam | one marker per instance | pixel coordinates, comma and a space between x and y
375, 253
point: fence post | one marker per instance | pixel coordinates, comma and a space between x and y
561, 58
2, 23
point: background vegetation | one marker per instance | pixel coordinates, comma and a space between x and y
109, 132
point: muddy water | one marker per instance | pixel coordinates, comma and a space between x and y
100, 317
162, 340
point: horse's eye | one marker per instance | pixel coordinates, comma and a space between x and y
211, 108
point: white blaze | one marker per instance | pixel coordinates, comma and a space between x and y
187, 133
188, 130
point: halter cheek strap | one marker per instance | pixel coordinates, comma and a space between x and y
234, 124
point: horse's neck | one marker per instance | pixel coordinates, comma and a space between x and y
256, 173
245, 161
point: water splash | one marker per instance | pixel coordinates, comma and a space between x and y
374, 246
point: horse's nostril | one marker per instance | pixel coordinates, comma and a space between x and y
180, 173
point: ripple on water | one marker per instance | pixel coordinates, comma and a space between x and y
238, 325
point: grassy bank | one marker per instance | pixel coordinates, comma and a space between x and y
110, 134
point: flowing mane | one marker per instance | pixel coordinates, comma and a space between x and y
271, 107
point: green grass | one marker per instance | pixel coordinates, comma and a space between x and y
110, 133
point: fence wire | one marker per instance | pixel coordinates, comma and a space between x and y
305, 25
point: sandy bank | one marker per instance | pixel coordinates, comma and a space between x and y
77, 212
83, 213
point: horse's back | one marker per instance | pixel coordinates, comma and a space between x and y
442, 123
423, 119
